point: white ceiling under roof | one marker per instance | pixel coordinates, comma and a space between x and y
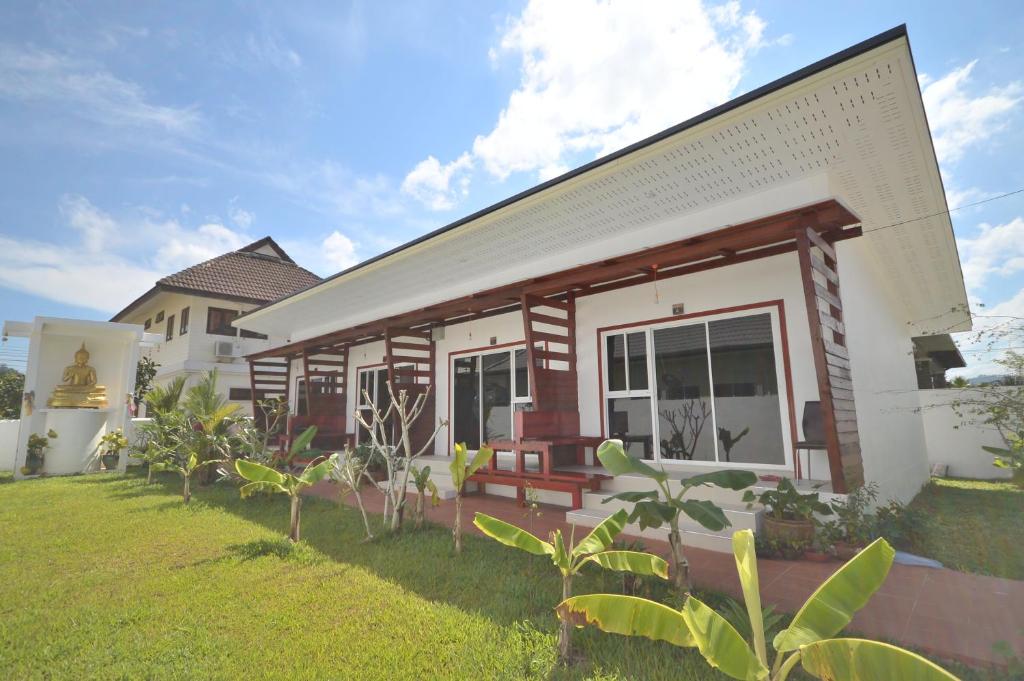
855, 131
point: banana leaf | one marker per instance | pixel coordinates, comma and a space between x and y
704, 512
262, 486
720, 644
833, 605
314, 474
652, 513
302, 441
734, 480
510, 535
852, 659
627, 615
256, 472
637, 562
746, 567
602, 536
614, 458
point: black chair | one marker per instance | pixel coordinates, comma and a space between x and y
814, 432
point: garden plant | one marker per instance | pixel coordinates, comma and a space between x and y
461, 470
662, 506
596, 548
807, 641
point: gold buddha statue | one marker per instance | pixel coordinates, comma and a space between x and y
79, 389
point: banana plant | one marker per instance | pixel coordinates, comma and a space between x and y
424, 485
595, 548
184, 464
660, 506
266, 479
807, 641
460, 471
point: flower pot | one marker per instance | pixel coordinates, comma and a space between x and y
789, 530
33, 464
110, 461
846, 550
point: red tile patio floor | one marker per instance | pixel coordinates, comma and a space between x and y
946, 613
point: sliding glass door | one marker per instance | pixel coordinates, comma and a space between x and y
705, 391
487, 389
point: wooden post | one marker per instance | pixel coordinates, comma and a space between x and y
831, 358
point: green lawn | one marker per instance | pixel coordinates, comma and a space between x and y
972, 525
104, 577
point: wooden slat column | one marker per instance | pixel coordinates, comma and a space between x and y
326, 371
409, 355
552, 323
820, 276
268, 377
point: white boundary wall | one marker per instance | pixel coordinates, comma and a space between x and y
954, 443
8, 444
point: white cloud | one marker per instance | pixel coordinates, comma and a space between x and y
431, 183
959, 120
86, 90
596, 75
994, 251
339, 251
108, 260
241, 217
98, 230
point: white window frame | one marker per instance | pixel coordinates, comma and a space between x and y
477, 354
651, 391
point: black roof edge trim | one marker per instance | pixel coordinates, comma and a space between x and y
882, 38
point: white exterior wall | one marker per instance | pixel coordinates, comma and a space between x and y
8, 444
955, 443
885, 383
892, 438
193, 354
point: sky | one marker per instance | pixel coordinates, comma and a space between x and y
140, 138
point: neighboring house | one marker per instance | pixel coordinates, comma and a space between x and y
194, 308
774, 257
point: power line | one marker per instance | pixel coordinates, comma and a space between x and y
947, 211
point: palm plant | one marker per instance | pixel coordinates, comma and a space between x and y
424, 485
212, 417
595, 548
807, 641
461, 471
185, 463
163, 432
660, 506
266, 479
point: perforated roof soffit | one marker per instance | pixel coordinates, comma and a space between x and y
855, 131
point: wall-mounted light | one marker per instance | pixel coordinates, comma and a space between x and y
678, 308
494, 340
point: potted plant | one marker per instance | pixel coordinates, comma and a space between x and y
36, 446
111, 445
790, 514
854, 526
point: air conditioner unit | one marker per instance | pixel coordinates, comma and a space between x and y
226, 349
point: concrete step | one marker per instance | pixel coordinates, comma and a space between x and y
692, 537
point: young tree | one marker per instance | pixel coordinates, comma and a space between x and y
424, 485
460, 471
807, 641
12, 389
595, 548
145, 372
390, 433
350, 470
265, 479
661, 506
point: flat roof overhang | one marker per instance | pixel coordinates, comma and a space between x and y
740, 243
850, 128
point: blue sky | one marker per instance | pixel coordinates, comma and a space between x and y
138, 139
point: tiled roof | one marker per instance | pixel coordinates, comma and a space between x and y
252, 276
244, 274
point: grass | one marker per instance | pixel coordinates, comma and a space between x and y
972, 525
104, 577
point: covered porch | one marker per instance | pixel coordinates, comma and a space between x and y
558, 399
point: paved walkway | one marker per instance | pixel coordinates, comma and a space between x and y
946, 613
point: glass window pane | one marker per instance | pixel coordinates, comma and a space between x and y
629, 420
381, 396
747, 406
497, 396
522, 375
637, 343
466, 402
684, 393
616, 353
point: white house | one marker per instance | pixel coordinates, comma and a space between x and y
194, 308
772, 257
